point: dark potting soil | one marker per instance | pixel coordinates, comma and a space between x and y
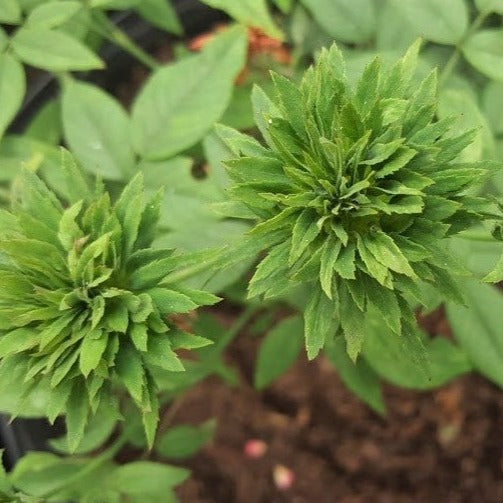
440, 446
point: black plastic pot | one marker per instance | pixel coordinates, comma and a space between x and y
23, 435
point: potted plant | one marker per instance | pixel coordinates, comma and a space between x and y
331, 207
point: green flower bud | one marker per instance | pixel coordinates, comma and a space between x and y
355, 190
84, 303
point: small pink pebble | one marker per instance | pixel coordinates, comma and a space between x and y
283, 477
255, 448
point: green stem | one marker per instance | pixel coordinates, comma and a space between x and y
238, 324
114, 34
91, 466
455, 56
193, 269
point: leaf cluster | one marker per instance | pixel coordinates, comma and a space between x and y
355, 192
84, 304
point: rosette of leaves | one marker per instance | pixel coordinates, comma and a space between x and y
84, 304
354, 193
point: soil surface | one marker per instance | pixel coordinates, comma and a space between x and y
441, 446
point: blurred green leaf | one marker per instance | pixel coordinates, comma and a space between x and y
186, 199
394, 30
4, 39
492, 102
53, 13
33, 405
239, 114
146, 478
10, 12
38, 473
444, 22
160, 13
66, 479
46, 125
184, 441
17, 151
305, 32
180, 102
478, 256
97, 129
279, 350
249, 12
54, 51
352, 22
477, 327
461, 104
490, 6
484, 51
358, 377
284, 5
216, 153
391, 357
12, 89
114, 4
29, 5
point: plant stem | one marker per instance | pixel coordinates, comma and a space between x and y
454, 59
114, 34
170, 414
213, 259
238, 325
92, 465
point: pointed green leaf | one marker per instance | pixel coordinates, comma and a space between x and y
477, 327
388, 253
352, 322
91, 352
12, 89
161, 14
278, 351
358, 377
352, 22
183, 441
168, 115
319, 323
304, 232
129, 368
97, 130
329, 256
53, 50
77, 412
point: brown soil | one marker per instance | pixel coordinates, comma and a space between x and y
442, 446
